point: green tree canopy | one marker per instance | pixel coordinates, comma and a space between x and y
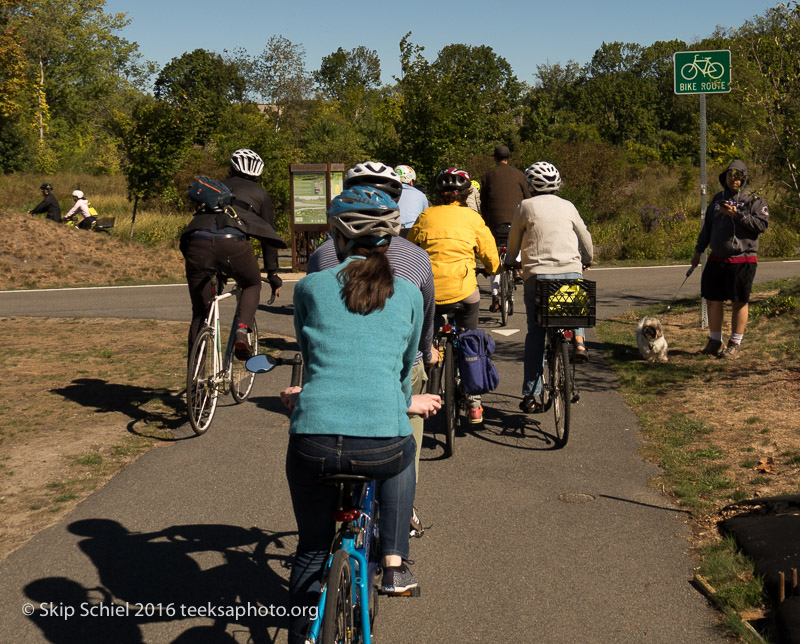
200, 85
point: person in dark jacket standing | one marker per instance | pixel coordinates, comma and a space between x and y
49, 204
246, 168
502, 188
733, 222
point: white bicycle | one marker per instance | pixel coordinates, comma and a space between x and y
213, 371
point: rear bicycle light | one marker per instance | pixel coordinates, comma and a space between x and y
446, 328
568, 334
343, 516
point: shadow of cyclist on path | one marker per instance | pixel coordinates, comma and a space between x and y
107, 397
189, 566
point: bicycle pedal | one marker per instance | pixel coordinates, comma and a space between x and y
411, 592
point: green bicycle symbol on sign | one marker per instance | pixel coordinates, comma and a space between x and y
704, 66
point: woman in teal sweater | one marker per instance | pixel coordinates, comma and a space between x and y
358, 328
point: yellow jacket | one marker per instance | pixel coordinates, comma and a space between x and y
452, 235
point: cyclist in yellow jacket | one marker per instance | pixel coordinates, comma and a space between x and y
452, 234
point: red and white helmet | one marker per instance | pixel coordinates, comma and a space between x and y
453, 180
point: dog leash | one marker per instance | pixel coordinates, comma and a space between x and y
688, 273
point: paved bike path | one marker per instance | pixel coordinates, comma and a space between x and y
525, 542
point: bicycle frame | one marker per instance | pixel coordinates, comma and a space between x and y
222, 361
357, 537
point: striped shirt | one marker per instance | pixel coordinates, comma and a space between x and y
409, 262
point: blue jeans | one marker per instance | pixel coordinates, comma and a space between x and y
389, 460
534, 340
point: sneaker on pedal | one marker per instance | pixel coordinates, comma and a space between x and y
241, 343
416, 524
397, 579
475, 412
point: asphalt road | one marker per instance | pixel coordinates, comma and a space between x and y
524, 542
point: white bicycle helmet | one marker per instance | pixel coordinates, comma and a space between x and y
375, 175
247, 162
543, 177
405, 173
78, 194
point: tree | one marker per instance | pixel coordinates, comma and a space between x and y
769, 90
350, 77
74, 62
456, 108
12, 60
200, 85
153, 140
279, 76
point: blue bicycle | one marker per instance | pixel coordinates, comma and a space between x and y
348, 602
349, 599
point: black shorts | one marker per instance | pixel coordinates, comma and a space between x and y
723, 281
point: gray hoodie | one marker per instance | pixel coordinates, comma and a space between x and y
737, 237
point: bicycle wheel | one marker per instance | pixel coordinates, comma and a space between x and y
562, 391
449, 386
241, 378
337, 622
505, 298
715, 71
689, 71
201, 387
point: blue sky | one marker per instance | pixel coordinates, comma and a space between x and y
526, 33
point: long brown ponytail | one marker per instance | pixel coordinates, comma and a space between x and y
367, 284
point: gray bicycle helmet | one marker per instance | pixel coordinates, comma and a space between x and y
543, 177
365, 215
247, 162
374, 174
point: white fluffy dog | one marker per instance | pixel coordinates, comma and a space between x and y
651, 341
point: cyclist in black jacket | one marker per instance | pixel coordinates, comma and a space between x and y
246, 167
216, 237
49, 204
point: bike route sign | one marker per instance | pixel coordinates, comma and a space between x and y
702, 72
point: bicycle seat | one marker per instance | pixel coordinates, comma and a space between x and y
336, 479
450, 309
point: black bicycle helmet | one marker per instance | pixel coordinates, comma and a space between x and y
374, 175
46, 186
453, 180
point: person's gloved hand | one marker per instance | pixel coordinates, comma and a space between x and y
275, 283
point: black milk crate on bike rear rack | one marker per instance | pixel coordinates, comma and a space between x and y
565, 303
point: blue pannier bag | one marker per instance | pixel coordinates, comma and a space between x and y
478, 373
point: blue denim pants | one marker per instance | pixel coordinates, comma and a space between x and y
389, 460
534, 340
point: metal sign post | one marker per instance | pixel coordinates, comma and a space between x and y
702, 72
703, 201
